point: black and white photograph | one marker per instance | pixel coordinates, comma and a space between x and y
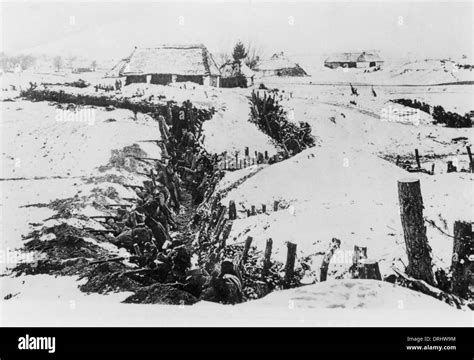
252, 164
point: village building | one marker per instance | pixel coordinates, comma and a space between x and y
234, 73
354, 60
167, 64
279, 65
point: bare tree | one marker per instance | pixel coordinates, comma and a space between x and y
58, 63
222, 58
255, 52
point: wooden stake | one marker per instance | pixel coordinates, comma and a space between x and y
246, 151
232, 210
360, 253
417, 156
266, 155
245, 253
462, 266
275, 205
451, 167
264, 208
335, 244
267, 258
369, 269
254, 212
290, 263
220, 220
432, 168
226, 232
417, 247
220, 227
471, 165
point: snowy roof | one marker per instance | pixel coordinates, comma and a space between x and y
277, 62
170, 59
231, 66
354, 57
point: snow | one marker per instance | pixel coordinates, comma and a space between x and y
49, 301
342, 188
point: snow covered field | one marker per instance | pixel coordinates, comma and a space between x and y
341, 188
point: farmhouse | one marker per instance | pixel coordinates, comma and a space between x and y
236, 74
167, 64
354, 60
280, 65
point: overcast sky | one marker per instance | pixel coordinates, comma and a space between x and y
111, 29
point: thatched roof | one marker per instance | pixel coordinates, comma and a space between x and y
354, 57
232, 67
277, 62
169, 59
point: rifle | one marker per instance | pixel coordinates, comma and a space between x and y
118, 205
118, 258
133, 186
143, 158
98, 231
105, 217
155, 141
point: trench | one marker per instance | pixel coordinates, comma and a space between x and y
202, 229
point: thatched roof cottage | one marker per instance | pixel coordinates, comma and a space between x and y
236, 74
354, 60
279, 65
169, 63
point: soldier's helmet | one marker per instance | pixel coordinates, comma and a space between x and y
227, 266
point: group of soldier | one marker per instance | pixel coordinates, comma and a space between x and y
108, 88
145, 229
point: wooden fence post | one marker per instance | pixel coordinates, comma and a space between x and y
264, 208
359, 255
266, 155
462, 266
232, 210
335, 244
369, 269
220, 219
471, 164
245, 253
254, 212
290, 263
246, 151
275, 205
226, 232
417, 247
267, 257
432, 168
220, 227
417, 156
451, 167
